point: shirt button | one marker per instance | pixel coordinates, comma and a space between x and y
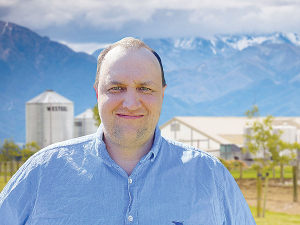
130, 218
130, 181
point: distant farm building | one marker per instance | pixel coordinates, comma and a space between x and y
84, 124
224, 136
50, 119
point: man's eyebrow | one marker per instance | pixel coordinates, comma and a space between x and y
146, 83
115, 83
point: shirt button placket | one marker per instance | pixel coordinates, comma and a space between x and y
130, 217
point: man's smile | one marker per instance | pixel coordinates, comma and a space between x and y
129, 116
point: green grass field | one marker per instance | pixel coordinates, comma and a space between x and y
273, 218
247, 173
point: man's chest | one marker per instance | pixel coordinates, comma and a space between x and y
160, 199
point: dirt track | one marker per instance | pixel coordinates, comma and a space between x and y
279, 197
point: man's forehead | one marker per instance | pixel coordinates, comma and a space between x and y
120, 61
118, 53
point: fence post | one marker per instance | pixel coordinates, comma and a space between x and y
295, 180
241, 170
281, 173
258, 185
298, 171
18, 165
265, 194
11, 168
5, 171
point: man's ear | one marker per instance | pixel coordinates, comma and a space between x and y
96, 92
163, 92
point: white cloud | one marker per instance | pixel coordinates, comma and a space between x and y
40, 14
5, 3
85, 47
202, 18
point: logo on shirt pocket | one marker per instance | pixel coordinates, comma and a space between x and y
177, 223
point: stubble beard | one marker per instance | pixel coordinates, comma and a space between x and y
121, 137
127, 139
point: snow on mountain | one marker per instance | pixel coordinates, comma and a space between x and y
294, 38
245, 41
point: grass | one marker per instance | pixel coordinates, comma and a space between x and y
248, 173
274, 218
2, 183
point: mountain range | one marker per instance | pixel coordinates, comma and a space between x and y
223, 76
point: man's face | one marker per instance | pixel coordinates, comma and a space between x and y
130, 96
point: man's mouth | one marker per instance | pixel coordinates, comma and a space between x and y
129, 116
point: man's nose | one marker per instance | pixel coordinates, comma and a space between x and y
131, 99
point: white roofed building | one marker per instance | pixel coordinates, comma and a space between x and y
84, 124
49, 118
222, 136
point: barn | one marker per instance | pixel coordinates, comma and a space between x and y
224, 136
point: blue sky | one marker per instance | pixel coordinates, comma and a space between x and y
86, 25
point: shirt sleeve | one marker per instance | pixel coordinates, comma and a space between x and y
18, 196
235, 207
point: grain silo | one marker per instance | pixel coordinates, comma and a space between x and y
289, 135
247, 155
84, 124
49, 119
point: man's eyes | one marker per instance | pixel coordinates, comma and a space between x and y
145, 89
118, 88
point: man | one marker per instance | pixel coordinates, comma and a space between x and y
126, 173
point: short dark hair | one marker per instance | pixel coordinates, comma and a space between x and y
128, 43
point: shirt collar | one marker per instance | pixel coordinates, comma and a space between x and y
101, 147
155, 147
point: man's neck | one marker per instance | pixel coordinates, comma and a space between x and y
127, 157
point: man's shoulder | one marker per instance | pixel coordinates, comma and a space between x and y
71, 146
72, 142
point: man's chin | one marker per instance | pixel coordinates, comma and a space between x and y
130, 133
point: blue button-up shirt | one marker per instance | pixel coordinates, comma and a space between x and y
77, 182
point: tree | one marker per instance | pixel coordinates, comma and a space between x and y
280, 155
8, 151
29, 149
96, 115
263, 139
261, 133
